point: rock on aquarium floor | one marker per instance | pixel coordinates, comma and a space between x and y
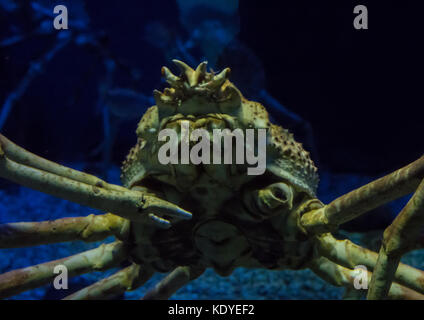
18, 204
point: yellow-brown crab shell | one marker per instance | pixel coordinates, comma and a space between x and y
197, 94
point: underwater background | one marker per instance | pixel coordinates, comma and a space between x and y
352, 97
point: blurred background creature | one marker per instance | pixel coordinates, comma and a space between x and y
212, 26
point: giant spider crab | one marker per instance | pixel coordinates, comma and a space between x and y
271, 221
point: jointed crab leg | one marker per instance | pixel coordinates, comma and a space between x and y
133, 205
22, 156
350, 255
398, 239
341, 276
366, 198
178, 278
99, 259
127, 279
90, 228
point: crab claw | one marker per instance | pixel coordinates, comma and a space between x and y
162, 209
159, 206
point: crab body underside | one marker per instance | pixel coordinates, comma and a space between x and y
230, 218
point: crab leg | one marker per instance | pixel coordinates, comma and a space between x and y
398, 239
133, 205
127, 279
22, 156
90, 228
364, 199
350, 255
340, 276
99, 259
178, 278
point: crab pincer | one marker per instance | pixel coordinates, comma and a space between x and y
164, 211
